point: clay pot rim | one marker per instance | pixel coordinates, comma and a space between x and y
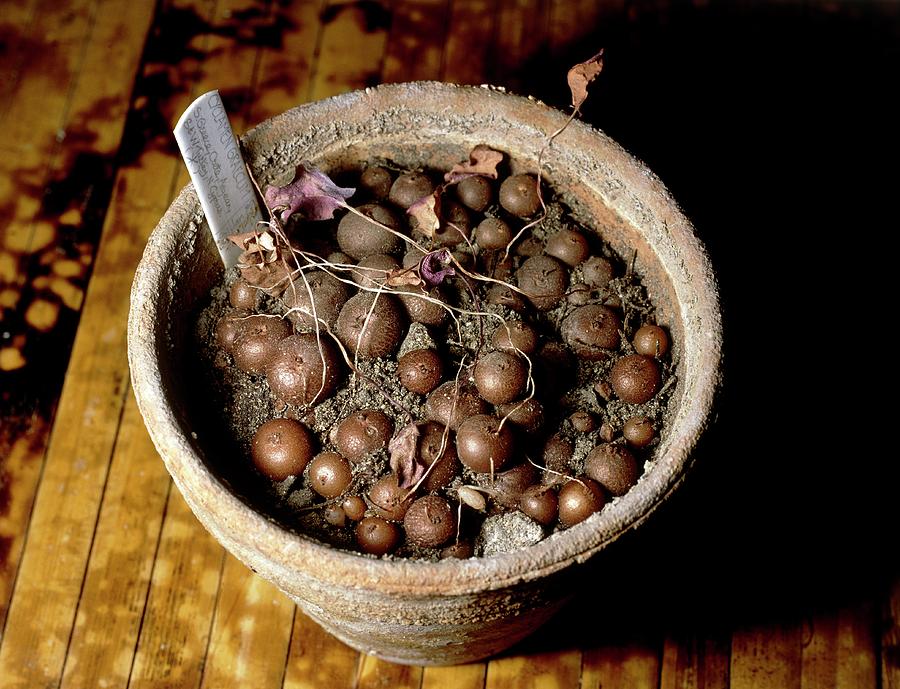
291, 551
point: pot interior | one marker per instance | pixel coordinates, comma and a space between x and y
606, 190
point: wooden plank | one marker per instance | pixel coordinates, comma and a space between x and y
283, 77
16, 37
118, 576
50, 270
251, 632
32, 115
624, 665
416, 45
840, 649
375, 673
19, 474
32, 111
176, 627
557, 670
469, 35
67, 502
317, 660
574, 22
695, 661
471, 676
66, 508
766, 656
890, 638
520, 45
351, 50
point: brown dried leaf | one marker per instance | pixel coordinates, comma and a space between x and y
482, 161
402, 448
425, 213
401, 277
272, 277
244, 239
581, 75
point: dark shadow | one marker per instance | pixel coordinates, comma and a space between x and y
775, 128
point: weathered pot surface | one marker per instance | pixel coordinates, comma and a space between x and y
450, 611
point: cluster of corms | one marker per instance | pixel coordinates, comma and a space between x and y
476, 420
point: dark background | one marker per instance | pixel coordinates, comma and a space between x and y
774, 125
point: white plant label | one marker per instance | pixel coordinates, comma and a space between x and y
216, 166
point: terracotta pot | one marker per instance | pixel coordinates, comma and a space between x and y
409, 611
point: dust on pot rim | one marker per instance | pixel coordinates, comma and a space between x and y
432, 125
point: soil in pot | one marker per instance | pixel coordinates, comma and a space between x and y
473, 395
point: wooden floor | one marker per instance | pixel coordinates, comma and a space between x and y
107, 580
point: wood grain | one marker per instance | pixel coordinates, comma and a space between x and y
469, 36
351, 47
95, 56
75, 472
106, 578
251, 632
21, 471
520, 43
229, 64
890, 637
622, 665
838, 650
695, 661
282, 81
317, 659
558, 670
18, 19
118, 576
471, 676
175, 630
579, 21
416, 44
41, 90
766, 656
375, 673
68, 499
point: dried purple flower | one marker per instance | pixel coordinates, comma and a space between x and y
435, 267
312, 193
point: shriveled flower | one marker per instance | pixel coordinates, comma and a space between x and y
312, 194
435, 267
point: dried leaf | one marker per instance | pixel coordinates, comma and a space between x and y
402, 449
401, 277
581, 75
243, 239
272, 277
425, 213
482, 161
312, 193
435, 267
